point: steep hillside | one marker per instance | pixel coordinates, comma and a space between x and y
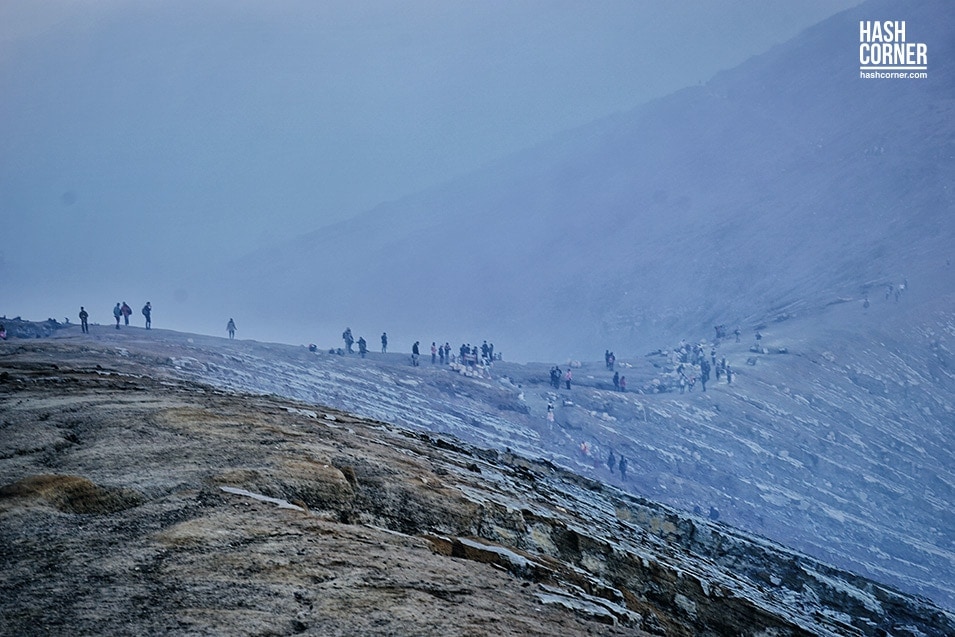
787, 182
834, 440
133, 501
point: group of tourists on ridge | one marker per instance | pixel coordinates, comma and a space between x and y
121, 311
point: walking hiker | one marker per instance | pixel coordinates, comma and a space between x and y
623, 468
84, 317
616, 380
118, 313
126, 311
148, 313
231, 328
611, 461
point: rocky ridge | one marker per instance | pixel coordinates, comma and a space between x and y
139, 501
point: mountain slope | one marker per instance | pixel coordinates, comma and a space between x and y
784, 183
833, 440
135, 501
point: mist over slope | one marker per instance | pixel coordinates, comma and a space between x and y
777, 186
834, 437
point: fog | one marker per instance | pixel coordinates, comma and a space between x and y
146, 146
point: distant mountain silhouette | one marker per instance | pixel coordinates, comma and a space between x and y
780, 185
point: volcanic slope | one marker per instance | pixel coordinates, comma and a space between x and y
135, 502
834, 438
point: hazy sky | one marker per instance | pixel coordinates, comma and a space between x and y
143, 139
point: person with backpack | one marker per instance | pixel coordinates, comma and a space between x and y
231, 328
148, 313
126, 312
84, 317
117, 313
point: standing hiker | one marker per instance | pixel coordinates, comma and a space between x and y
126, 311
117, 313
84, 317
148, 313
231, 328
384, 342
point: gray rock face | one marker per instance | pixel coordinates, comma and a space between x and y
134, 500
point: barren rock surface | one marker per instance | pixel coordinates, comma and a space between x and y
149, 504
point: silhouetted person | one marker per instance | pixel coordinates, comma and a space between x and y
231, 328
349, 340
415, 353
148, 313
611, 461
616, 380
118, 313
362, 346
84, 317
126, 311
384, 342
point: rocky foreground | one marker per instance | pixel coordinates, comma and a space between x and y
147, 504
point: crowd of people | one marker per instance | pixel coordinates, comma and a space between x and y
467, 355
